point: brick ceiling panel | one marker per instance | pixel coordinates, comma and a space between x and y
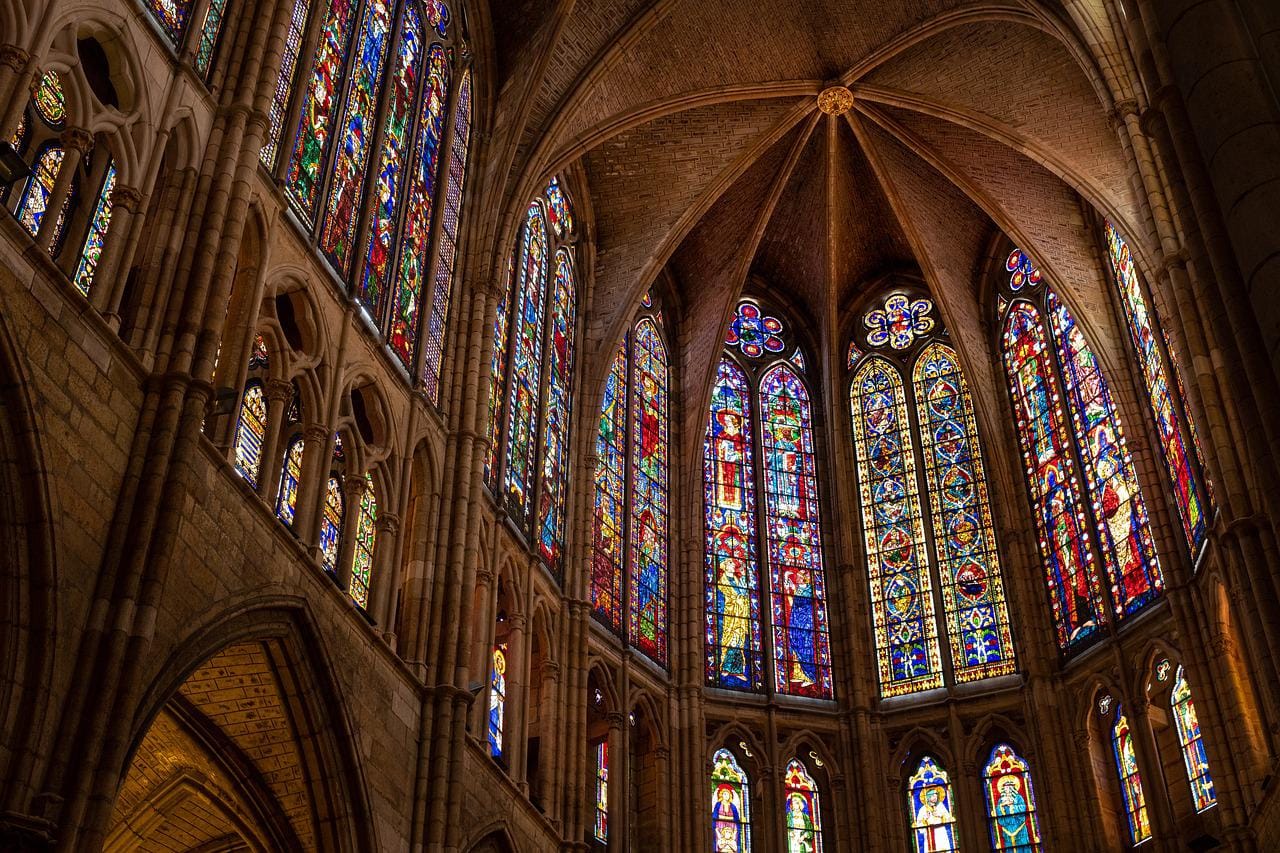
792, 255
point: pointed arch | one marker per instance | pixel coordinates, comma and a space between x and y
650, 451
930, 804
1191, 741
730, 803
609, 506
1011, 801
802, 812
1131, 792
556, 408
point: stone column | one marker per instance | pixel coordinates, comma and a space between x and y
277, 393
75, 142
107, 290
16, 72
316, 454
617, 786
549, 742
1155, 787
518, 677
383, 577
353, 489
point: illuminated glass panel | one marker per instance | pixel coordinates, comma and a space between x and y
287, 497
319, 105
801, 654
650, 512
601, 828
96, 239
753, 332
559, 210
1074, 591
1192, 743
1142, 324
609, 509
284, 83
730, 804
350, 161
497, 699
366, 538
35, 195
906, 631
802, 815
251, 428
497, 373
526, 364
556, 411
50, 101
1135, 803
733, 587
415, 236
1011, 802
209, 31
1118, 507
438, 319
331, 524
172, 16
899, 322
963, 535
929, 800
19, 139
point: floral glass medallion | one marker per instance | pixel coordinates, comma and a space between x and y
899, 322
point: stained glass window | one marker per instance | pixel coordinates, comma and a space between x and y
1074, 590
753, 332
1011, 802
498, 372
331, 524
901, 589
35, 195
284, 84
733, 591
650, 513
964, 538
558, 210
448, 246
1135, 803
350, 162
319, 106
526, 367
97, 236
50, 101
366, 537
933, 823
1142, 324
209, 31
251, 428
555, 416
609, 508
730, 804
290, 474
601, 828
415, 236
851, 358
497, 699
898, 322
1192, 743
802, 657
1117, 498
19, 139
172, 16
803, 818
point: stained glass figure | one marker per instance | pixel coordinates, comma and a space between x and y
19, 139
555, 416
319, 107
526, 366
559, 211
437, 15
1135, 803
251, 428
172, 16
331, 524
753, 332
39, 186
851, 358
600, 830
50, 101
802, 656
1011, 802
497, 372
284, 83
899, 322
1142, 324
96, 239
733, 590
1074, 590
290, 474
258, 359
209, 31
906, 631
803, 817
1118, 507
730, 805
650, 512
415, 237
1192, 743
609, 510
350, 161
497, 699
366, 538
437, 320
963, 535
933, 822
1022, 272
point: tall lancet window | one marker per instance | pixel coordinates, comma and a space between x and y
1011, 802
926, 526
1131, 793
802, 814
1076, 461
730, 804
631, 515
531, 384
930, 809
761, 497
1192, 743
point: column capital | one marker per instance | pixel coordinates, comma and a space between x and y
550, 671
1175, 260
278, 389
14, 56
315, 432
1123, 110
355, 486
388, 522
76, 139
616, 719
126, 198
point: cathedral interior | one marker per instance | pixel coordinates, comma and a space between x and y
639, 425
